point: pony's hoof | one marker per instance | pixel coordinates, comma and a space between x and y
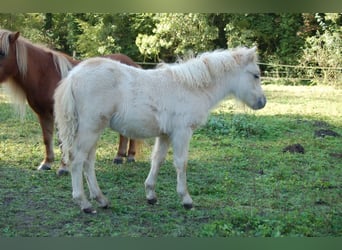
152, 201
118, 161
61, 172
130, 160
188, 206
89, 210
44, 167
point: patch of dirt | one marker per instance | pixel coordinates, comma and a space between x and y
325, 132
336, 155
321, 202
294, 148
261, 171
321, 124
7, 200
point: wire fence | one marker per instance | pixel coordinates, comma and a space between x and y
299, 74
292, 74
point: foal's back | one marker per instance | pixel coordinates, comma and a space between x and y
137, 103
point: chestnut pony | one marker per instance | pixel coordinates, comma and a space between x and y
31, 73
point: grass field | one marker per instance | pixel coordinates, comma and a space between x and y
241, 181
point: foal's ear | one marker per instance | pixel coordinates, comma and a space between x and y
252, 56
14, 36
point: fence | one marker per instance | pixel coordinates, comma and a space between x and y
298, 74
292, 74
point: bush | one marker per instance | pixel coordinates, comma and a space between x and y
323, 53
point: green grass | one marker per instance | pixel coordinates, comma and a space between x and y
241, 182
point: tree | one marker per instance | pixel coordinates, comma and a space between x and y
62, 31
32, 29
176, 34
276, 35
282, 38
111, 33
128, 26
96, 38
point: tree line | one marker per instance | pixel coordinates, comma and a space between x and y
313, 39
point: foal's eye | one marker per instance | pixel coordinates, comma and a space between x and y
256, 76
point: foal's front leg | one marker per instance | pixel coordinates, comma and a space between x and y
180, 143
158, 156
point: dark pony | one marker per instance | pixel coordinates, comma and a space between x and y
31, 73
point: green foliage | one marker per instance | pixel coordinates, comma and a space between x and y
324, 50
282, 38
112, 33
32, 29
217, 125
238, 125
128, 28
274, 34
247, 126
97, 39
176, 34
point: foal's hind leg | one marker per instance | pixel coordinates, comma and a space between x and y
47, 126
158, 156
83, 160
89, 173
63, 167
122, 150
77, 182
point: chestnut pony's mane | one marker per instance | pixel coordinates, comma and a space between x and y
16, 94
61, 63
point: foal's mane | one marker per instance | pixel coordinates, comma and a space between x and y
199, 71
60, 61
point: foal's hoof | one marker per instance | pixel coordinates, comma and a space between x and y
61, 172
188, 206
118, 161
152, 201
89, 210
44, 167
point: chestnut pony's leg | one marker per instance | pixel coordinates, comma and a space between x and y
121, 151
131, 151
47, 125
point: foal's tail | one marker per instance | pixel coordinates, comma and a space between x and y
66, 117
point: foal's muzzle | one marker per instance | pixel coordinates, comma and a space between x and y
260, 103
